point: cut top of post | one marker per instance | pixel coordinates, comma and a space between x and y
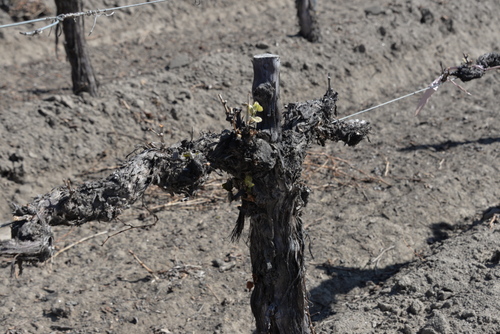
265, 90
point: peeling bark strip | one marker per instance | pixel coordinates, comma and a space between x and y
82, 73
266, 177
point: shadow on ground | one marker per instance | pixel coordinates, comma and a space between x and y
451, 144
344, 279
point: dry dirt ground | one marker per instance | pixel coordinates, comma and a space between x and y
402, 231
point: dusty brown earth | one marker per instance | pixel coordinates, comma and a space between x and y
402, 232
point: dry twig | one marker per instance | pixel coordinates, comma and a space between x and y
149, 270
213, 293
78, 242
377, 259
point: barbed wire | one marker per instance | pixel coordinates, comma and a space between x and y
55, 20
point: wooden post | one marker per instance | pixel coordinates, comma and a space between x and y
266, 91
308, 20
279, 301
82, 73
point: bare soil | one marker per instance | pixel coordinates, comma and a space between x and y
402, 228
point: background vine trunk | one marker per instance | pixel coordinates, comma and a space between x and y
82, 73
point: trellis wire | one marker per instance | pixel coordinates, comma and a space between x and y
389, 102
59, 18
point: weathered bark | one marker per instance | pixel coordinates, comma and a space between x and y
265, 174
279, 301
308, 20
178, 169
82, 73
470, 71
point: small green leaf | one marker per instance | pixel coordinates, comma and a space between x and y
255, 119
248, 181
252, 110
257, 107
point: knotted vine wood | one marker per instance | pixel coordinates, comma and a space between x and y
265, 164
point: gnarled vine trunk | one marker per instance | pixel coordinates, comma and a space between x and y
265, 164
279, 300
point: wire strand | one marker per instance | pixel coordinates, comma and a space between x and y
58, 19
26, 22
389, 102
